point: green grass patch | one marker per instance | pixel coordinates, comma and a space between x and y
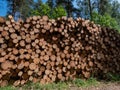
38, 86
113, 77
85, 83
62, 85
51, 86
8, 88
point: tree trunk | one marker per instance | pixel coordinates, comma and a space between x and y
90, 9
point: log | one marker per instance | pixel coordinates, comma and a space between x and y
45, 50
6, 65
2, 20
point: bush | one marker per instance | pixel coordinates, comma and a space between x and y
54, 13
106, 20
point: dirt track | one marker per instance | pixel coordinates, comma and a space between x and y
102, 86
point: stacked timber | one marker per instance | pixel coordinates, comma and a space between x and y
45, 50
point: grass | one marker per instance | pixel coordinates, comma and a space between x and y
85, 83
53, 86
62, 85
38, 86
8, 88
113, 77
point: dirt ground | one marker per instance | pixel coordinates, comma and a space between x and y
101, 86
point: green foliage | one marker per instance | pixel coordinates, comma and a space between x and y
79, 82
85, 83
58, 12
44, 9
54, 86
38, 86
8, 88
50, 86
105, 20
111, 7
113, 77
62, 85
68, 5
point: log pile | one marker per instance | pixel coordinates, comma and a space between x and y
45, 50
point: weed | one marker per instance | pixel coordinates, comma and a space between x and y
8, 88
50, 86
113, 77
85, 83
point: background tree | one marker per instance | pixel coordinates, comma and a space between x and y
51, 4
115, 12
98, 11
90, 8
85, 8
45, 9
58, 11
12, 4
103, 9
25, 8
105, 20
42, 9
68, 5
19, 8
37, 4
104, 6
